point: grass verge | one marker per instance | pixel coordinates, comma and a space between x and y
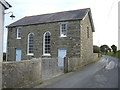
117, 54
97, 59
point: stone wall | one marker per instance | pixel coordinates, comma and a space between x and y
28, 73
21, 74
96, 55
50, 68
86, 42
75, 63
73, 35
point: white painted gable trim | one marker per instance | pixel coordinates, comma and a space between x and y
5, 4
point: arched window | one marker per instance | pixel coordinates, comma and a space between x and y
46, 43
30, 44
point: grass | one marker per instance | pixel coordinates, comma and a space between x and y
93, 61
97, 59
117, 54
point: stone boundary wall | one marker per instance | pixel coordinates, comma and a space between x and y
76, 63
50, 68
21, 74
28, 73
96, 55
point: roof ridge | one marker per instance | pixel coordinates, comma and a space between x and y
57, 12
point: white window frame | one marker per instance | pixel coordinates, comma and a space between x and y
61, 33
18, 30
46, 54
31, 54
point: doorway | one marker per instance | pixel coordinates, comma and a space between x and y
18, 54
61, 54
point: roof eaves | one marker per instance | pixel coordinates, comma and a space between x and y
91, 20
41, 23
5, 4
85, 16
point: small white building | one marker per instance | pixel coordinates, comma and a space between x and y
3, 6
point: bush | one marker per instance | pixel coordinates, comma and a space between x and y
114, 48
104, 48
96, 49
118, 54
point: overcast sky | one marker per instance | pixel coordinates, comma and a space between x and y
104, 13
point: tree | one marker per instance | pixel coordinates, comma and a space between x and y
114, 48
96, 49
104, 48
109, 49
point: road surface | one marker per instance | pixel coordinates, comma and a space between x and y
102, 74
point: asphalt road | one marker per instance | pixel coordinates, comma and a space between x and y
102, 74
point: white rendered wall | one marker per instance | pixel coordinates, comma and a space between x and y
1, 31
119, 25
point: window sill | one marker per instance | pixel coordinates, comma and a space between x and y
18, 38
30, 54
63, 36
46, 55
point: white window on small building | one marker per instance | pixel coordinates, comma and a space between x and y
19, 33
63, 29
30, 50
46, 44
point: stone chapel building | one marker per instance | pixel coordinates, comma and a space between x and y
68, 33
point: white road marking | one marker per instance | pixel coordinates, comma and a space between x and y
110, 65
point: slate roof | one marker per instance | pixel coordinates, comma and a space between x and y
54, 17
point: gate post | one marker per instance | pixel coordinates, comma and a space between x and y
65, 64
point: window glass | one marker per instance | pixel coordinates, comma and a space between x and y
31, 43
18, 33
63, 30
47, 43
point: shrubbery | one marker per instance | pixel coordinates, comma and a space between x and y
96, 49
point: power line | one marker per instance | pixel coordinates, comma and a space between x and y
110, 10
